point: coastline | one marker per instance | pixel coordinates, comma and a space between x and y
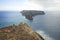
22, 29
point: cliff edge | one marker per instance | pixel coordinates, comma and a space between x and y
19, 32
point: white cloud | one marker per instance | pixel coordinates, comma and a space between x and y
50, 5
27, 5
31, 6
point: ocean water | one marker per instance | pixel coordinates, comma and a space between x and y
48, 25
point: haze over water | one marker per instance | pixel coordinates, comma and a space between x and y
47, 25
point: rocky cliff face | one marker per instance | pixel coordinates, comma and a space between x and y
19, 32
32, 12
29, 14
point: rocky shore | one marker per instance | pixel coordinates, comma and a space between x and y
19, 31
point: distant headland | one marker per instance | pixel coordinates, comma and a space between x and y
30, 13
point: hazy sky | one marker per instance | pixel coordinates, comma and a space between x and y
49, 4
30, 5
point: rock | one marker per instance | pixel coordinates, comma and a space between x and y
32, 12
19, 32
29, 14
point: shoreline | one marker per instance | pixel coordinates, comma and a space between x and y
21, 29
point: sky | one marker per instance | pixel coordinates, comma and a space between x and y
49, 5
19, 5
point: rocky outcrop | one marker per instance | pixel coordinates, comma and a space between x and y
30, 13
19, 32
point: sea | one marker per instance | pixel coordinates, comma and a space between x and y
47, 25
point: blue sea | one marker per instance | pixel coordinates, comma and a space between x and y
48, 25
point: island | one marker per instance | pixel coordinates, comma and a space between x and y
21, 31
29, 14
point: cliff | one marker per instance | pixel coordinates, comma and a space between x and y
19, 32
32, 12
29, 14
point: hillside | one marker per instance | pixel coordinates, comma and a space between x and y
19, 32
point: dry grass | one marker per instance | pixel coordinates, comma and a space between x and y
19, 32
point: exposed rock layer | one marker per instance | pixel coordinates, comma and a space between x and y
19, 32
